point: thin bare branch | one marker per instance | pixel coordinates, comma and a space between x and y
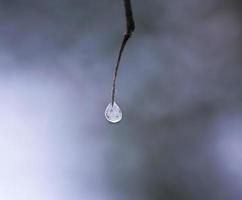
130, 26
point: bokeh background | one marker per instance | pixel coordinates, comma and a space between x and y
179, 87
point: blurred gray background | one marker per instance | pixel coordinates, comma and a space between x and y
179, 88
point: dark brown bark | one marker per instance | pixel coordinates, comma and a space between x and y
130, 26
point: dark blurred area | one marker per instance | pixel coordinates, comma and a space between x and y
179, 87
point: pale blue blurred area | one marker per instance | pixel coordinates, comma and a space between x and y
179, 88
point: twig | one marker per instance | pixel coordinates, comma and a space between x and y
130, 26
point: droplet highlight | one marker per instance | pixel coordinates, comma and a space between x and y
113, 113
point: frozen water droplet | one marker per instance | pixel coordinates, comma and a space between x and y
113, 113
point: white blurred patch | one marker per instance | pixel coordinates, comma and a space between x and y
46, 151
229, 146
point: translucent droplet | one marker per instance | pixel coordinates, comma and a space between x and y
113, 113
